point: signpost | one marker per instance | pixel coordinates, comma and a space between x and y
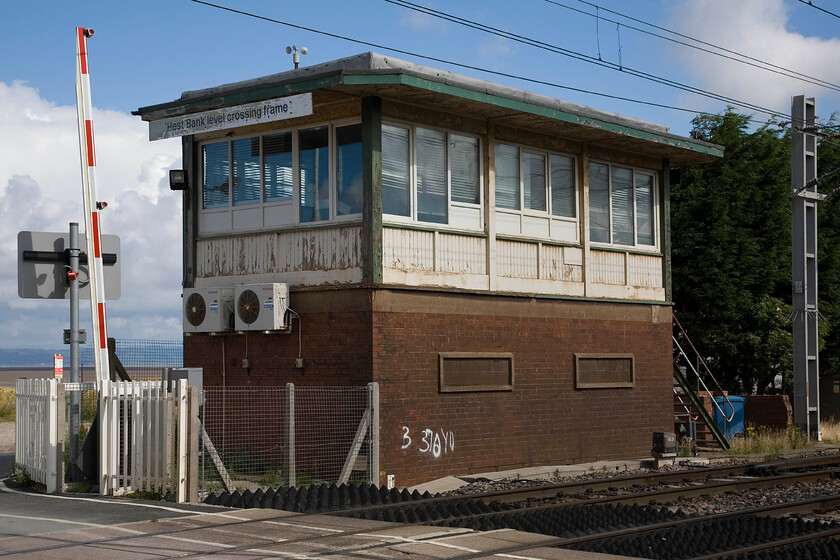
52, 266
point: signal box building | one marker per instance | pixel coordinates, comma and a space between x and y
497, 260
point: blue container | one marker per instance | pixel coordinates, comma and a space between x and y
736, 426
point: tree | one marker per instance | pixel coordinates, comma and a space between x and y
828, 259
731, 252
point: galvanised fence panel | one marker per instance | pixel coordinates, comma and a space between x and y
259, 437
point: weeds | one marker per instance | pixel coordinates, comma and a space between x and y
768, 442
20, 475
273, 478
7, 404
688, 448
154, 495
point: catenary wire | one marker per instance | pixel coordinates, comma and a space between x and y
585, 58
450, 62
732, 55
809, 3
757, 61
462, 65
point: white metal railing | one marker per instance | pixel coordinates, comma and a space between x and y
39, 431
143, 437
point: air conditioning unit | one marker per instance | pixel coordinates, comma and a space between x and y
208, 310
261, 307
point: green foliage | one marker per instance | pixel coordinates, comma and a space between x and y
768, 442
273, 478
7, 404
731, 252
20, 475
89, 406
828, 259
151, 494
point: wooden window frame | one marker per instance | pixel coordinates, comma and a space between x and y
609, 384
445, 388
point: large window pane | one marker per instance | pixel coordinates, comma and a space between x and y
463, 153
277, 167
533, 181
246, 171
431, 176
348, 169
216, 187
395, 170
507, 176
599, 203
644, 210
563, 186
314, 174
622, 205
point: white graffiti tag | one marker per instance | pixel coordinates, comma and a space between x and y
437, 443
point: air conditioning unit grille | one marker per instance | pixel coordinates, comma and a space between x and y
262, 307
195, 309
248, 306
208, 310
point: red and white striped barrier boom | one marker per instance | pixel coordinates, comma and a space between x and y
92, 222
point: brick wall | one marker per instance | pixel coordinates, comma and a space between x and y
333, 336
544, 420
768, 411
351, 337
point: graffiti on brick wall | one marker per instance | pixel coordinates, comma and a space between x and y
429, 441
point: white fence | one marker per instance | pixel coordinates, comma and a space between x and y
143, 442
148, 435
39, 430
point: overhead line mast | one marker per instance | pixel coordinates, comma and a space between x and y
84, 109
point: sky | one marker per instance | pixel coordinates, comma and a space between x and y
149, 52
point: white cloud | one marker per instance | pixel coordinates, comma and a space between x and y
424, 22
40, 190
496, 49
760, 29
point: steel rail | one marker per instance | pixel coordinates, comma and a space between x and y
662, 497
828, 533
777, 510
621, 481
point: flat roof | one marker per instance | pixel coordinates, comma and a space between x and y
376, 74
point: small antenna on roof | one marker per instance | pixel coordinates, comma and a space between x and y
298, 52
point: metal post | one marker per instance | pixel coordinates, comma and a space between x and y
75, 395
806, 403
373, 454
291, 475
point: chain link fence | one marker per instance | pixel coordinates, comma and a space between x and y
259, 437
143, 360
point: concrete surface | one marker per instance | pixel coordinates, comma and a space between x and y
38, 526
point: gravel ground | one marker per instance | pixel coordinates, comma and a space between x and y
703, 505
7, 438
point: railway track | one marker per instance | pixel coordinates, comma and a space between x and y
623, 515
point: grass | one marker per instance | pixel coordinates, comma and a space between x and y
7, 404
764, 441
830, 431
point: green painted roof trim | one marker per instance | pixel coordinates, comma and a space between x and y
257, 92
184, 106
515, 105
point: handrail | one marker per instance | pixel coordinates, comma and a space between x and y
708, 371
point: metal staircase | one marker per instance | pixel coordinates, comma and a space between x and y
690, 412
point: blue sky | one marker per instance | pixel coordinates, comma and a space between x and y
149, 52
